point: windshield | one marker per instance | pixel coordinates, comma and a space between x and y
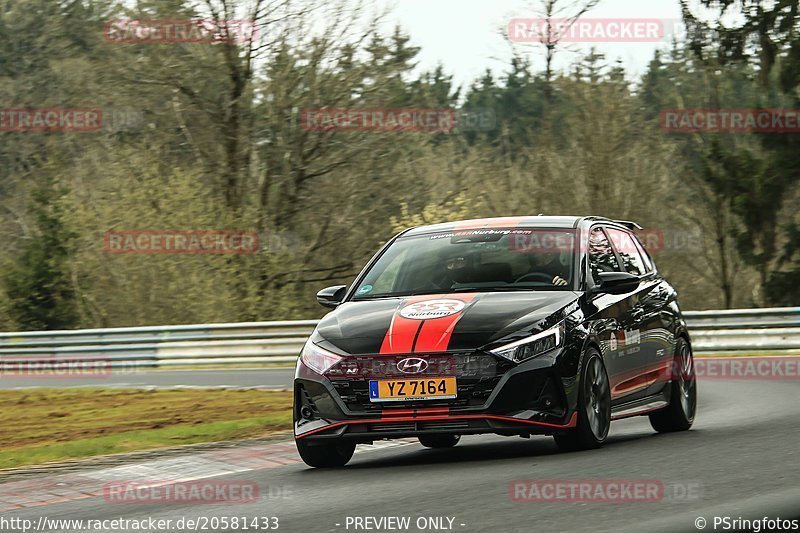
474, 260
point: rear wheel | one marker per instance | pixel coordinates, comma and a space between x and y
439, 441
324, 454
679, 414
594, 408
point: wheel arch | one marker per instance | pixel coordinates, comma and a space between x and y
682, 333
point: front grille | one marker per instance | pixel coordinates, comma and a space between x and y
476, 375
454, 426
392, 427
410, 427
305, 399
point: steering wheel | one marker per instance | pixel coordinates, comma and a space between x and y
545, 278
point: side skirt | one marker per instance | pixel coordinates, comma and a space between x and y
639, 407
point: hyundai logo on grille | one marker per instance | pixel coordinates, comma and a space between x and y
412, 365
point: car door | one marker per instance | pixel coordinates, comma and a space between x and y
660, 320
608, 322
641, 341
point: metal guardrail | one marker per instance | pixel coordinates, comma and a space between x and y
156, 346
263, 342
754, 330
785, 317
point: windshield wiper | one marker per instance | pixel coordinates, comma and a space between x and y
504, 288
515, 288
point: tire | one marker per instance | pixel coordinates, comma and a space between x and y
594, 408
325, 455
439, 441
679, 414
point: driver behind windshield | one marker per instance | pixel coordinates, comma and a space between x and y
458, 269
550, 265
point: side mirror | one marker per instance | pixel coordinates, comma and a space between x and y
331, 296
616, 283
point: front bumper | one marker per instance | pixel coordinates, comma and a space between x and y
493, 397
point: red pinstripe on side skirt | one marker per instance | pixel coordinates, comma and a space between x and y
434, 418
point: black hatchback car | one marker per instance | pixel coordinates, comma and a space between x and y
513, 326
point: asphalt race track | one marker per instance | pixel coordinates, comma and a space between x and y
741, 458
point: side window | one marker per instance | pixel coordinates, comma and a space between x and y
628, 251
601, 255
648, 263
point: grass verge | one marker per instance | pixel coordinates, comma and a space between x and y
41, 425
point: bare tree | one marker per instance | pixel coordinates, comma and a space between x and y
558, 16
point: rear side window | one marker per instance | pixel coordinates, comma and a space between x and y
628, 251
601, 255
648, 262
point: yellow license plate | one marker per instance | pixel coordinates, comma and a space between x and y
395, 390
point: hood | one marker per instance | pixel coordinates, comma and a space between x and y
436, 323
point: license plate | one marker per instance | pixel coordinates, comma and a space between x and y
396, 390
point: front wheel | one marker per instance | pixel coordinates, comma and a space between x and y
439, 441
679, 414
594, 408
324, 454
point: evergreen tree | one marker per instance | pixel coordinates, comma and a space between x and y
38, 282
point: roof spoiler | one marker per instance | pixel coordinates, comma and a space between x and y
628, 224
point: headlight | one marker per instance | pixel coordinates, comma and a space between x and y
318, 359
532, 346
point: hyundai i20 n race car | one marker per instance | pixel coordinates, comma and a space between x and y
511, 326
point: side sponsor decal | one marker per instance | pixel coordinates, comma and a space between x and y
632, 337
